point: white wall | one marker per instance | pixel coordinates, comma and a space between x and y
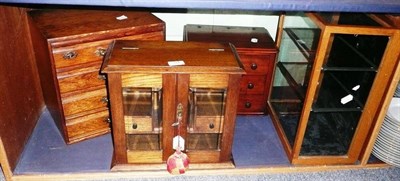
176, 21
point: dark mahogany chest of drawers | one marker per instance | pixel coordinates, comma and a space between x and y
69, 47
257, 52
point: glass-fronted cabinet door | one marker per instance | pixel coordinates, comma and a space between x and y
143, 121
142, 103
208, 101
298, 44
205, 127
158, 108
343, 89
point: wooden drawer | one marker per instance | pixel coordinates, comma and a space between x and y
88, 126
81, 82
251, 104
85, 103
74, 56
257, 63
138, 124
90, 54
207, 124
254, 84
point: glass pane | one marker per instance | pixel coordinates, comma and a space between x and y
298, 44
346, 80
329, 133
289, 113
142, 115
207, 108
336, 85
295, 59
361, 51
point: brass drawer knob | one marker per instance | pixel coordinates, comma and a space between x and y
134, 126
100, 52
101, 77
70, 55
104, 99
247, 104
250, 86
253, 66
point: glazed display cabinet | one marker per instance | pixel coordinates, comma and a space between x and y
149, 95
331, 74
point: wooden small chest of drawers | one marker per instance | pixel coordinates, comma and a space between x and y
257, 52
69, 47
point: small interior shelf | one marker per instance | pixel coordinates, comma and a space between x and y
300, 37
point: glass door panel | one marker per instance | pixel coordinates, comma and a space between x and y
206, 118
299, 42
346, 79
329, 133
142, 116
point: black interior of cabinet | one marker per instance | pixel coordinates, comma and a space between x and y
356, 19
359, 52
350, 70
329, 133
348, 19
337, 85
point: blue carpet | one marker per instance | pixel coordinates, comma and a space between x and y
256, 143
47, 152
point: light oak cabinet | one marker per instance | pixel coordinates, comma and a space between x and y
145, 92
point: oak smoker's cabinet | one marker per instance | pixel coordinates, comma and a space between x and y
257, 52
332, 73
145, 91
69, 47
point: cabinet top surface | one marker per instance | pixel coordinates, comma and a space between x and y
241, 37
62, 23
157, 57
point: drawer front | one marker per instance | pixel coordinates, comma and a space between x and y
85, 103
91, 54
251, 103
82, 82
89, 126
76, 56
207, 124
254, 84
138, 124
257, 64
